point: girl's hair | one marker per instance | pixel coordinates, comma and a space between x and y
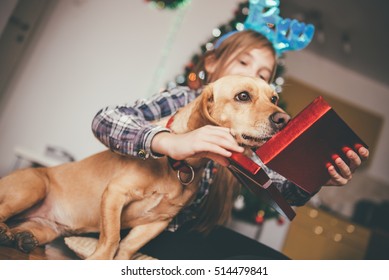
217, 207
230, 48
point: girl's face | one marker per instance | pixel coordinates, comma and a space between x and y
253, 63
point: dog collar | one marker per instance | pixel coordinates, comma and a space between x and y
181, 166
169, 122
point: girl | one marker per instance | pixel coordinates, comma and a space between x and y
127, 130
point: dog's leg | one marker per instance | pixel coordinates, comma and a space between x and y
113, 200
30, 234
20, 190
138, 237
6, 236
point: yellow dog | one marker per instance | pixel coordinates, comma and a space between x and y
107, 192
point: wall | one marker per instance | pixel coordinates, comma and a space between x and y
91, 54
6, 8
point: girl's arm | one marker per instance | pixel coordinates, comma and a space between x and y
128, 130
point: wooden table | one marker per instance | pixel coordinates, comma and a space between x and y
57, 250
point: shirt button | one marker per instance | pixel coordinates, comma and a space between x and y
142, 153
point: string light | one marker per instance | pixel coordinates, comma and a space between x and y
202, 75
209, 46
216, 32
180, 79
239, 26
192, 77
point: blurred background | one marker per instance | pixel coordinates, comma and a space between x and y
61, 61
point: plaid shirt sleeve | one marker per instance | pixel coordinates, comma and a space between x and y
127, 129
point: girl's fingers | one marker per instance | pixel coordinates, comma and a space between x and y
336, 178
207, 139
344, 169
363, 153
355, 160
221, 137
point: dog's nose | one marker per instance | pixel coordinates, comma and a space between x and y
279, 120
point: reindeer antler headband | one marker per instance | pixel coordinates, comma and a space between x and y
285, 34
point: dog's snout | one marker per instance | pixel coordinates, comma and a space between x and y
279, 120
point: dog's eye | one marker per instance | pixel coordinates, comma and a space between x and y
242, 96
274, 99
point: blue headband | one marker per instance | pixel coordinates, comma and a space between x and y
284, 34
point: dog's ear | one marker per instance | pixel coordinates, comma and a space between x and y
207, 104
201, 112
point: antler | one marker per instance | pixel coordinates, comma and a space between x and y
285, 34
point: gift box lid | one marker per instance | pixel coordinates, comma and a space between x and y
254, 178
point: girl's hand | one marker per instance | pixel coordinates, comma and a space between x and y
212, 142
345, 174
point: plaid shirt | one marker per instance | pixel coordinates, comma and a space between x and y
127, 130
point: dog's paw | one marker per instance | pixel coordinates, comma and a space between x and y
26, 241
6, 236
82, 246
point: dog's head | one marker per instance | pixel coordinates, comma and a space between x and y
246, 105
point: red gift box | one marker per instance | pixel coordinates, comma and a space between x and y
302, 151
311, 141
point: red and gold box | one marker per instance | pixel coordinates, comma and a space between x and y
301, 152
